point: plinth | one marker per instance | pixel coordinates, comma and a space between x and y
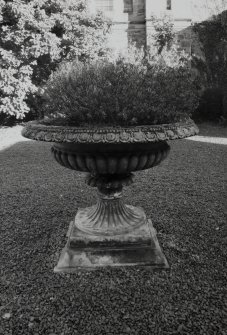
89, 252
110, 233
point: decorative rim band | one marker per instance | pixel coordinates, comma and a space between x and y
139, 134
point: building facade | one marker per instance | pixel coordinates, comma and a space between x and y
132, 18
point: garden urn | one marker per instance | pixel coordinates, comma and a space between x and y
110, 233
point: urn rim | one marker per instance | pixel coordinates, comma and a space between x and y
136, 134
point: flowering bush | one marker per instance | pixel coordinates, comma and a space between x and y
163, 34
15, 84
35, 36
132, 89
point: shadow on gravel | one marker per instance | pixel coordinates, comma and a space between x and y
183, 197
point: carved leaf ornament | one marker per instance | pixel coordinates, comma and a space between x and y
139, 134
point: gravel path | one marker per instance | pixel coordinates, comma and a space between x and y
10, 136
184, 198
209, 139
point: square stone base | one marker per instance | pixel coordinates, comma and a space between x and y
89, 252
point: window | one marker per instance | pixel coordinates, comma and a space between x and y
104, 5
168, 4
128, 6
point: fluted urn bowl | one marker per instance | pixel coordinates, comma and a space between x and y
109, 155
110, 232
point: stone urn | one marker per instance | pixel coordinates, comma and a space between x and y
110, 233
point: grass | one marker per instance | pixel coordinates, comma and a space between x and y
184, 198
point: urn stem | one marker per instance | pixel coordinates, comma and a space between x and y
110, 216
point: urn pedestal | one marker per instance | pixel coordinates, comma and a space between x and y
110, 233
83, 251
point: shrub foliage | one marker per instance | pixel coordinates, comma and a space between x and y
35, 36
213, 67
132, 89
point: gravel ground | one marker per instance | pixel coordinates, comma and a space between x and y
184, 198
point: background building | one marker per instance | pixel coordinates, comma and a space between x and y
132, 18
